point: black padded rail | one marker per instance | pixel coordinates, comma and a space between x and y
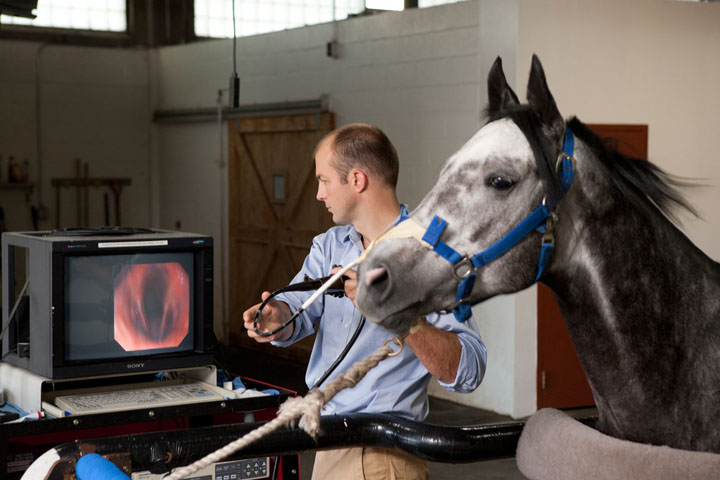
435, 443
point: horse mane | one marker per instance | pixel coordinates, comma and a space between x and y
638, 181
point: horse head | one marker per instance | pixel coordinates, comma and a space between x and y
498, 179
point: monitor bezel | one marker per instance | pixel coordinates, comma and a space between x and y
199, 355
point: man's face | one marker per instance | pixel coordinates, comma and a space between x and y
338, 197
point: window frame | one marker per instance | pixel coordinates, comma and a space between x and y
74, 35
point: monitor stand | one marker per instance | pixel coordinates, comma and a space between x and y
24, 388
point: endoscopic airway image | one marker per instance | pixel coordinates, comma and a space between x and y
152, 306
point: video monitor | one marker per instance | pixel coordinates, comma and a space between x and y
128, 305
107, 303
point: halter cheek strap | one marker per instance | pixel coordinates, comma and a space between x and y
466, 268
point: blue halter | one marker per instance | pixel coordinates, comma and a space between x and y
540, 220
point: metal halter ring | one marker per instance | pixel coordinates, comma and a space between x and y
465, 263
397, 342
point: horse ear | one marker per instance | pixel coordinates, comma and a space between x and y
542, 101
500, 95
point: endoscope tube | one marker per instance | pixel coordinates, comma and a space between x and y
334, 285
342, 355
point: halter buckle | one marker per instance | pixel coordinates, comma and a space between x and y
565, 166
463, 268
549, 235
563, 156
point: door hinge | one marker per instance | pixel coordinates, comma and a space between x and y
543, 380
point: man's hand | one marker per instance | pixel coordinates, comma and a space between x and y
350, 283
273, 315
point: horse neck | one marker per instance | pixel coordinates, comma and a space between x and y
622, 263
631, 290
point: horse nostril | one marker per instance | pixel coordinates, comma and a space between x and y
376, 275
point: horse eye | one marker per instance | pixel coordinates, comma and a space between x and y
501, 183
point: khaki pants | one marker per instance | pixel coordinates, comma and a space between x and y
368, 463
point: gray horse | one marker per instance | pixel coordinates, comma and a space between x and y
641, 302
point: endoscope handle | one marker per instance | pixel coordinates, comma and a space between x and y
337, 289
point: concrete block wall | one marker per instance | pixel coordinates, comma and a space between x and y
17, 125
94, 105
416, 75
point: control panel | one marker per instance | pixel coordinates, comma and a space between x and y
247, 469
242, 469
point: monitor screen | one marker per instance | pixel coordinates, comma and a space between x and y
128, 305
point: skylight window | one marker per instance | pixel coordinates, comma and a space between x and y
213, 18
97, 15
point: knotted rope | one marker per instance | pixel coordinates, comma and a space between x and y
306, 408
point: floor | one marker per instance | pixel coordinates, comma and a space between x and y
290, 375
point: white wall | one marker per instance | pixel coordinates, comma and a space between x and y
652, 62
94, 105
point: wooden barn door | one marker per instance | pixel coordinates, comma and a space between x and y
273, 213
561, 381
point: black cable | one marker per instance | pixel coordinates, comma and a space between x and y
338, 290
218, 353
234, 37
14, 309
274, 474
342, 355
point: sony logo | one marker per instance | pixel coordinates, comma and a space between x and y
135, 365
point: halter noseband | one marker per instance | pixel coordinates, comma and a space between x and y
465, 268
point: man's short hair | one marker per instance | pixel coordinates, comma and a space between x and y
366, 147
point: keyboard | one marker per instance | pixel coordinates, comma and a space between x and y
156, 394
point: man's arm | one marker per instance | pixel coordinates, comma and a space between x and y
438, 350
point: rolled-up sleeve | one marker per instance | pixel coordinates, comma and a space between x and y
473, 356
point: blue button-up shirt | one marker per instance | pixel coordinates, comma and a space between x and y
397, 385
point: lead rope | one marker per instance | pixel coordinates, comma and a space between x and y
306, 408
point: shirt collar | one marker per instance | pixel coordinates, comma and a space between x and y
356, 238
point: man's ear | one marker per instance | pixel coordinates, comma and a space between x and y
359, 180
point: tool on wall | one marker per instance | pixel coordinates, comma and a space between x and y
82, 183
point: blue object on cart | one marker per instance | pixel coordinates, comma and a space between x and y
96, 467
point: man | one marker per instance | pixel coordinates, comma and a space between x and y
357, 169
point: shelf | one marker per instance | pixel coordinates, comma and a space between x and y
17, 186
90, 182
